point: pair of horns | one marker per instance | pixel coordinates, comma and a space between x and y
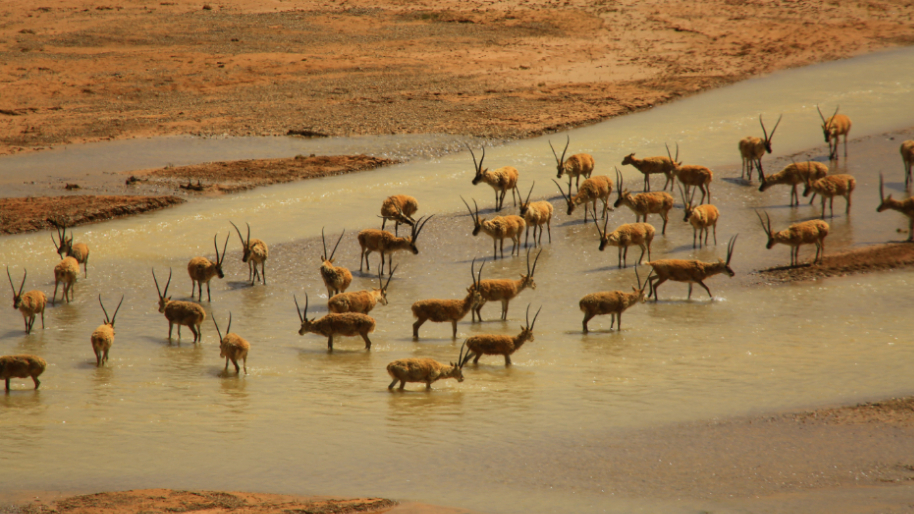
532, 270
324, 240
562, 160
767, 137
477, 277
380, 280
461, 358
165, 292
221, 258
475, 165
227, 330
111, 320
302, 315
823, 117
239, 233
24, 274
529, 324
527, 201
674, 161
417, 228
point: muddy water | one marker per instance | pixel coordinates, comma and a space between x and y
307, 421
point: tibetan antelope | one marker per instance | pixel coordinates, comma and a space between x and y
423, 369
503, 290
29, 304
360, 301
692, 175
498, 228
103, 337
794, 174
336, 278
202, 270
254, 252
612, 302
491, 344
502, 180
536, 215
652, 166
179, 312
643, 204
346, 324
399, 209
833, 128
593, 189
905, 207
233, 347
66, 271
441, 311
752, 149
78, 251
907, 157
21, 366
575, 166
383, 242
829, 187
629, 234
796, 235
690, 271
701, 218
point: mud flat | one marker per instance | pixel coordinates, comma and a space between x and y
30, 214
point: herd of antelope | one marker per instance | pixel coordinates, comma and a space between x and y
349, 311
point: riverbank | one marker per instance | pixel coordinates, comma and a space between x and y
33, 213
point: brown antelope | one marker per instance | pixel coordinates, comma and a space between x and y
103, 337
21, 366
502, 180
503, 290
536, 215
690, 271
452, 311
829, 187
796, 235
907, 157
360, 301
905, 207
179, 312
399, 209
66, 271
832, 128
29, 304
346, 324
593, 189
643, 204
629, 234
202, 270
612, 302
78, 251
254, 252
498, 228
794, 174
383, 242
491, 344
423, 369
233, 347
752, 149
336, 278
691, 176
575, 166
652, 166
701, 218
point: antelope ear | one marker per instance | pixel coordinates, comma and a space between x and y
635, 289
720, 260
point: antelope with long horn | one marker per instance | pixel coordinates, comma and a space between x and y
575, 166
652, 166
503, 290
629, 234
29, 304
643, 204
233, 347
385, 243
255, 252
833, 128
536, 215
423, 369
796, 235
794, 174
905, 207
202, 270
21, 366
66, 248
361, 301
400, 210
692, 175
752, 149
492, 344
907, 157
452, 311
103, 337
347, 324
498, 228
829, 187
502, 179
179, 312
336, 278
613, 303
702, 218
690, 271
593, 189
65, 272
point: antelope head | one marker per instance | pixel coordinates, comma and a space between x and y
767, 136
766, 226
639, 291
527, 280
245, 244
884, 201
827, 123
220, 258
456, 370
381, 294
110, 322
726, 265
604, 237
477, 221
416, 230
628, 159
399, 217
303, 316
477, 279
568, 198
526, 332
623, 194
163, 300
227, 330
676, 162
560, 162
480, 171
17, 297
687, 202
66, 243
524, 204
328, 261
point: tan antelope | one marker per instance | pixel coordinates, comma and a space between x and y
794, 174
103, 337
796, 235
385, 243
833, 128
424, 369
629, 234
503, 290
441, 311
21, 366
643, 204
905, 207
690, 271
336, 278
752, 149
907, 157
498, 228
78, 251
613, 303
360, 301
179, 312
829, 187
593, 189
254, 252
575, 166
29, 304
399, 209
347, 324
66, 272
492, 344
692, 175
502, 179
652, 166
202, 270
536, 215
702, 218
233, 347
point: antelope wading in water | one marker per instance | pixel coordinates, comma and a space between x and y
907, 157
346, 324
399, 209
336, 278
491, 344
424, 369
613, 303
829, 187
29, 304
905, 207
103, 337
690, 271
653, 166
643, 204
752, 149
593, 189
796, 235
794, 174
383, 242
503, 290
502, 179
21, 366
360, 301
254, 252
833, 128
498, 228
202, 270
692, 175
66, 271
629, 234
179, 312
78, 251
233, 347
441, 311
536, 215
575, 166
702, 218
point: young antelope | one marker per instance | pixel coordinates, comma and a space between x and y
419, 369
491, 344
233, 347
613, 303
536, 215
336, 278
202, 270
66, 272
103, 337
653, 166
79, 251
796, 235
593, 189
829, 187
360, 301
21, 366
29, 304
905, 207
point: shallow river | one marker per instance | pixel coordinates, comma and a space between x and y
162, 414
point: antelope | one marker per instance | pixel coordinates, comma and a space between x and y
452, 311
503, 290
202, 270
652, 166
796, 235
346, 324
29, 304
536, 215
830, 187
905, 207
179, 312
423, 369
399, 209
491, 344
383, 242
691, 175
612, 302
66, 271
691, 271
701, 218
502, 179
336, 278
629, 234
794, 174
360, 301
752, 149
907, 157
78, 251
644, 203
832, 128
21, 366
498, 228
103, 336
254, 252
233, 347
574, 166
593, 189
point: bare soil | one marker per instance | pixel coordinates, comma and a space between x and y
859, 260
31, 214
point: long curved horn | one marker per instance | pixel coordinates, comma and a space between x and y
820, 113
619, 181
420, 224
602, 233
683, 196
530, 193
229, 328
249, 233
224, 248
217, 328
767, 231
324, 241
535, 316
557, 161
11, 281
107, 319
670, 155
337, 245
301, 314
115, 310
479, 273
769, 137
239, 233
158, 290
730, 247
469, 209
567, 142
475, 166
473, 272
562, 191
532, 271
881, 198
165, 292
638, 278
